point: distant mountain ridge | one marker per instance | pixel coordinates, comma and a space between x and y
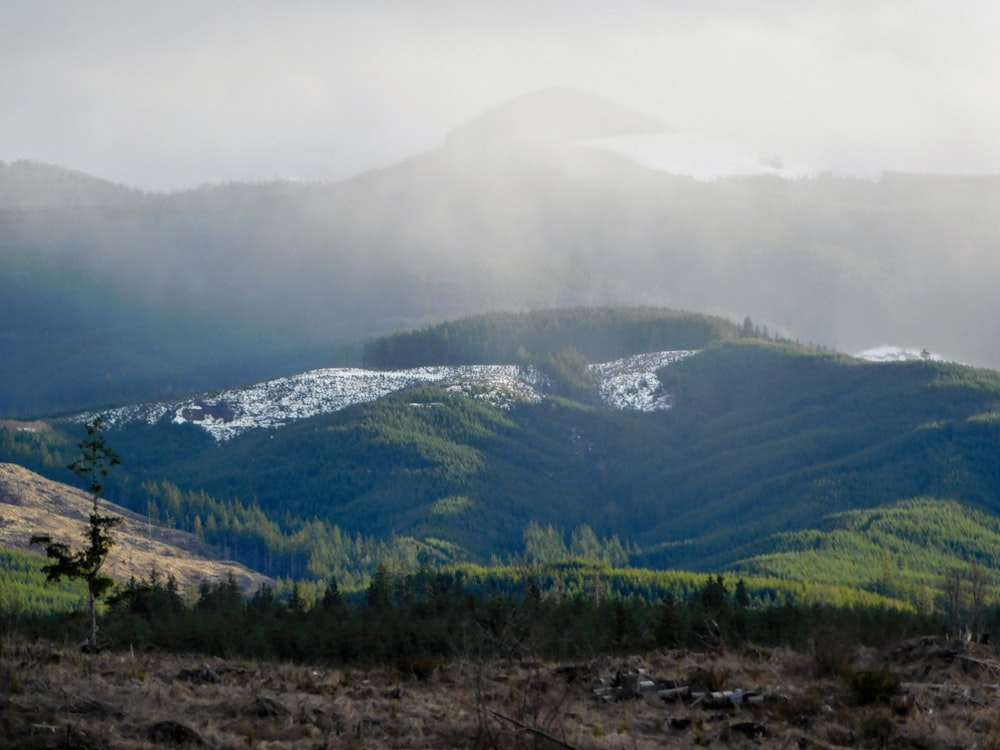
108, 296
29, 184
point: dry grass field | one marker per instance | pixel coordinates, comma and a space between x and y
31, 504
946, 697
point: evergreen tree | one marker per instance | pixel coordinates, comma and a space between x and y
741, 596
379, 594
668, 625
295, 603
332, 599
94, 463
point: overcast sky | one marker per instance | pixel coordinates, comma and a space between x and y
166, 95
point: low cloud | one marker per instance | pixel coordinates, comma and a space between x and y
165, 96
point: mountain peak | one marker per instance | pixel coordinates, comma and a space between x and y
559, 114
31, 184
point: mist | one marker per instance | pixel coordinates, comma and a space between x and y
370, 167
170, 96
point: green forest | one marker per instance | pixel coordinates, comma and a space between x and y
414, 618
776, 460
598, 334
788, 491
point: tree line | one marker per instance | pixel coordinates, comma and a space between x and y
597, 334
417, 619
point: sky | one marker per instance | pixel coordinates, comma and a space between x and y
170, 95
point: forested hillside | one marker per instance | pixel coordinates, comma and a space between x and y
598, 334
765, 441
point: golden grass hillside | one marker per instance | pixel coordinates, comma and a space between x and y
31, 504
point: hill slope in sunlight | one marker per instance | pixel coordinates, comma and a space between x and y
31, 504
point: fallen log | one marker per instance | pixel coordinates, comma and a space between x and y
673, 694
535, 731
980, 662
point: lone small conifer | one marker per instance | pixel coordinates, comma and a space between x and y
94, 463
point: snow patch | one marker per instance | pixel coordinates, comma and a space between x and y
628, 383
897, 354
631, 383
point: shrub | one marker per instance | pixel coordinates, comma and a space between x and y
872, 686
878, 727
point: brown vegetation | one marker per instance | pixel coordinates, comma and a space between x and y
937, 694
32, 505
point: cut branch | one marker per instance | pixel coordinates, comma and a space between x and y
534, 730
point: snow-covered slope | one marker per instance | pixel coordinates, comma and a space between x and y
897, 354
628, 383
631, 383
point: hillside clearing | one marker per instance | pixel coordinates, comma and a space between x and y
55, 697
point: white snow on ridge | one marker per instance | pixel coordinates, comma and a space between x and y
631, 383
274, 403
897, 354
628, 383
502, 390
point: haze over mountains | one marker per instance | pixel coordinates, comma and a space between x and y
112, 296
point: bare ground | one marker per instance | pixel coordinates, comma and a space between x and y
55, 697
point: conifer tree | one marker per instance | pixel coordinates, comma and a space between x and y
332, 599
93, 464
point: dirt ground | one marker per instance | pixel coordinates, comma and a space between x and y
940, 694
